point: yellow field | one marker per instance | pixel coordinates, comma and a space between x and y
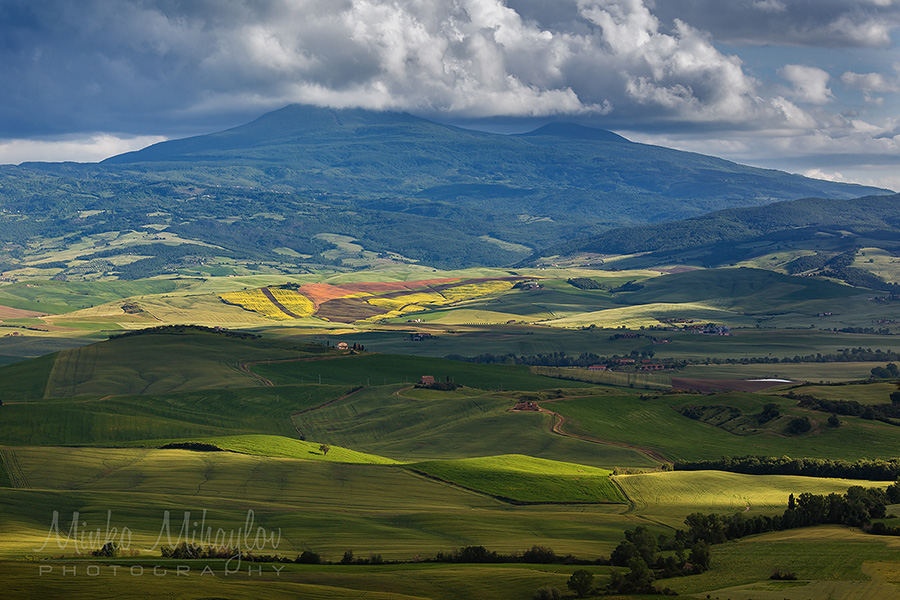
419, 300
475, 290
256, 301
295, 302
645, 315
670, 496
879, 262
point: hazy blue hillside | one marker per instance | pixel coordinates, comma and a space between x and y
831, 228
550, 172
437, 194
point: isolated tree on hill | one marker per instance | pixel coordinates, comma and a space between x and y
833, 420
324, 448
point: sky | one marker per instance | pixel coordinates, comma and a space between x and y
806, 86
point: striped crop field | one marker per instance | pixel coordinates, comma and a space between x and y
295, 302
254, 301
274, 303
353, 306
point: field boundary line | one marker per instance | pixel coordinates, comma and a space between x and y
507, 499
16, 476
245, 365
308, 410
329, 403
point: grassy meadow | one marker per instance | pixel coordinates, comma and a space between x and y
652, 422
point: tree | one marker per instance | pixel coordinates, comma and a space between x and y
581, 582
833, 421
547, 593
799, 425
347, 559
700, 556
324, 448
640, 576
770, 411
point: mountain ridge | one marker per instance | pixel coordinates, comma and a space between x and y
396, 183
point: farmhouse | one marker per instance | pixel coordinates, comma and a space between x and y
597, 368
426, 380
527, 406
343, 346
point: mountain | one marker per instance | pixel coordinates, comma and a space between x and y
550, 172
280, 188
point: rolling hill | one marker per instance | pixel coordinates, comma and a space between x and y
810, 227
279, 192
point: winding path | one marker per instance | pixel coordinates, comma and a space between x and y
560, 422
557, 428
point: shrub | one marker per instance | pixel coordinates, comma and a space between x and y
799, 425
783, 575
546, 593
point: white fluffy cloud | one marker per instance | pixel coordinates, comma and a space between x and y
810, 84
79, 149
871, 84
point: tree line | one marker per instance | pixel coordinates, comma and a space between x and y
870, 469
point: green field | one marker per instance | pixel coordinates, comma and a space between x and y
56, 297
282, 447
526, 479
175, 416
385, 369
668, 497
146, 364
872, 393
653, 423
830, 562
294, 582
326, 506
813, 372
411, 425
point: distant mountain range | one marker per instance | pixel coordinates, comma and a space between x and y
438, 194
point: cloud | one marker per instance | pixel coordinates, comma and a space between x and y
810, 83
815, 23
95, 67
827, 176
870, 84
90, 149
